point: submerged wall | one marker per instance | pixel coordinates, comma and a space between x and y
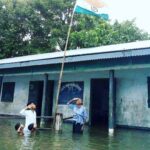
22, 90
86, 78
132, 98
20, 95
131, 94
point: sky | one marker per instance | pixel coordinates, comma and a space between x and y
129, 9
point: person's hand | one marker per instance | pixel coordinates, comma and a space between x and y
75, 99
29, 106
33, 106
35, 126
72, 100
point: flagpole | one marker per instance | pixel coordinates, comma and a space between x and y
62, 65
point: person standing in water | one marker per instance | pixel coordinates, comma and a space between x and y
21, 130
30, 114
80, 114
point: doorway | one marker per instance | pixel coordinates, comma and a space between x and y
99, 102
49, 98
36, 94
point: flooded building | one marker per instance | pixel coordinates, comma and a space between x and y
113, 81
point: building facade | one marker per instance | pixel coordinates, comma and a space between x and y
113, 82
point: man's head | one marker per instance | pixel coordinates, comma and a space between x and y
19, 127
31, 127
79, 102
32, 105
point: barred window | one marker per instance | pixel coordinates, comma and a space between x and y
1, 79
148, 83
8, 91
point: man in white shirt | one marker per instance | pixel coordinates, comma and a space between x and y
30, 114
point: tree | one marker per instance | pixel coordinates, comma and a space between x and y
31, 27
90, 32
38, 26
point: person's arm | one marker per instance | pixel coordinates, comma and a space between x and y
23, 111
35, 123
72, 100
69, 103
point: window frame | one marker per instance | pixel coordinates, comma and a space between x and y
8, 87
69, 84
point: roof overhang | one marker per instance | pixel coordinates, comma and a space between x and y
134, 49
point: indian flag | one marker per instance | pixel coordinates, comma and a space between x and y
92, 7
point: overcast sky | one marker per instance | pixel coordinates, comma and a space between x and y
130, 9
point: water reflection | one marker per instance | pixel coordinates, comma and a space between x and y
25, 142
92, 139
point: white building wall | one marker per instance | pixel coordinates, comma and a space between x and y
21, 92
86, 78
131, 94
131, 98
22, 89
20, 95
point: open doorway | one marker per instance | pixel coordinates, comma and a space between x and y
49, 98
36, 94
99, 102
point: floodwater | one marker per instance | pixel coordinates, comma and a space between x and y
92, 139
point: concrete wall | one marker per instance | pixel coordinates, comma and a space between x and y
22, 89
132, 94
20, 93
86, 78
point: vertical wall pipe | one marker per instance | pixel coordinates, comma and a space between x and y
44, 98
111, 102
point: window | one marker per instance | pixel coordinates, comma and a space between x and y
1, 79
8, 91
148, 83
70, 90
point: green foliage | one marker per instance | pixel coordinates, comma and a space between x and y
38, 26
91, 32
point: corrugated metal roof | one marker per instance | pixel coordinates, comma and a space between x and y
139, 48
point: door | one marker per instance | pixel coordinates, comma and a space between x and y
49, 98
99, 102
36, 94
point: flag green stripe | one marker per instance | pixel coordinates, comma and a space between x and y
81, 10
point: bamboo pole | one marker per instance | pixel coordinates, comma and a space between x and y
62, 67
